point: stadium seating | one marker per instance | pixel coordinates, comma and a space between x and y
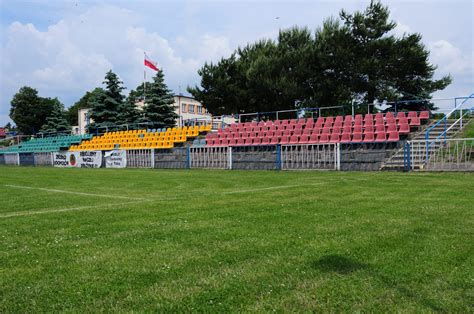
142, 139
47, 144
369, 128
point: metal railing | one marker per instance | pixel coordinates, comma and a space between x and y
441, 154
216, 157
310, 156
444, 121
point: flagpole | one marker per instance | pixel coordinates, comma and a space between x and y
144, 77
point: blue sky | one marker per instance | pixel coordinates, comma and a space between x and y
64, 48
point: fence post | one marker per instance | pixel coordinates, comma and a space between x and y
278, 157
52, 159
338, 156
407, 157
18, 158
229, 154
153, 158
188, 157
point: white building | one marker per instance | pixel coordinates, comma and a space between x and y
189, 110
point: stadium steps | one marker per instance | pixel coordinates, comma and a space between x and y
396, 162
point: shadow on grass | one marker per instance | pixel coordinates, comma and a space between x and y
338, 264
342, 265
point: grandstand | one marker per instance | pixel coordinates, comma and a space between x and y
142, 139
370, 128
47, 144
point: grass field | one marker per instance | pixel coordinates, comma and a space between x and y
216, 241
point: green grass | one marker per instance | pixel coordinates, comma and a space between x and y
468, 132
220, 241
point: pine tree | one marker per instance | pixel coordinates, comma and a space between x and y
56, 122
106, 105
159, 109
129, 113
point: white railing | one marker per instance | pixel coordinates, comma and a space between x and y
215, 157
310, 156
140, 158
442, 154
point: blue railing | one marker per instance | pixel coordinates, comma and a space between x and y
444, 120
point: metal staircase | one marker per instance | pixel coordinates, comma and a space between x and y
396, 161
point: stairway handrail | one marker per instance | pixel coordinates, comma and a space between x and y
456, 108
445, 120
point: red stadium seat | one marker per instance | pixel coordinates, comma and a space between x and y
285, 140
424, 115
368, 138
326, 130
223, 142
277, 122
285, 122
404, 128
232, 142
346, 138
378, 115
330, 120
393, 136
334, 138
256, 141
403, 120
415, 122
357, 137
357, 129
301, 121
304, 139
347, 129
412, 114
274, 140
379, 128
294, 139
389, 115
313, 138
240, 142
401, 115
307, 130
279, 133
297, 131
380, 136
368, 129
320, 121
324, 138
391, 127
368, 117
248, 141
265, 140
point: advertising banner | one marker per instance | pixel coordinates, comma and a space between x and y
61, 159
85, 159
116, 159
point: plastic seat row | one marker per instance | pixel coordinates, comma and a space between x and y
141, 139
372, 137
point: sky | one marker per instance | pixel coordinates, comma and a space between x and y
64, 48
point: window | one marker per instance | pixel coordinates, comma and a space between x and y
191, 108
183, 108
199, 109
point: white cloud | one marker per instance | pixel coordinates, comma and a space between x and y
450, 59
72, 56
401, 29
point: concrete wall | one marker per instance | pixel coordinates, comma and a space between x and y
366, 157
254, 158
175, 158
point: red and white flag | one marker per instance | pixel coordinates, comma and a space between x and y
149, 63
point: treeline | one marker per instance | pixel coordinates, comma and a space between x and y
356, 57
109, 107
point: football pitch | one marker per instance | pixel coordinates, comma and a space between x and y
217, 241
